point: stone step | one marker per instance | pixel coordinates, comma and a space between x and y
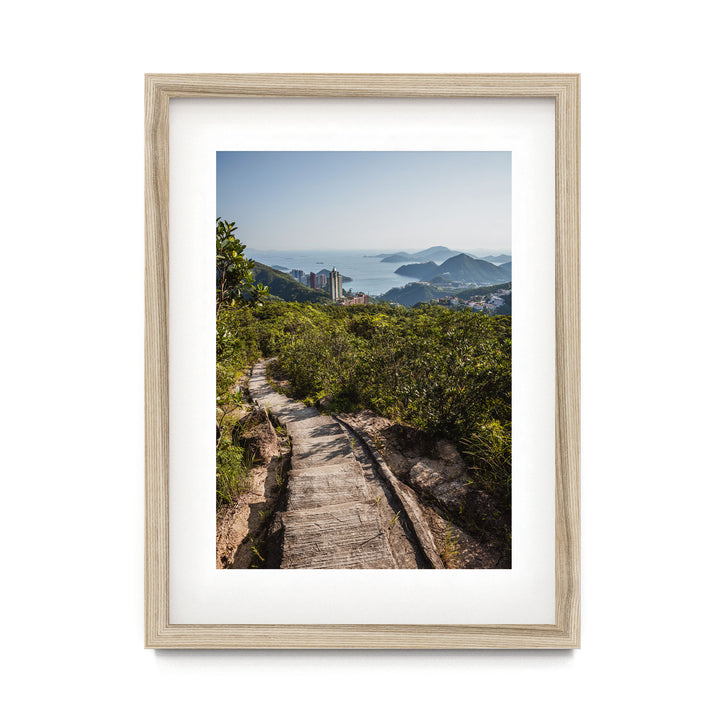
334, 452
319, 441
293, 412
314, 489
347, 535
340, 470
314, 426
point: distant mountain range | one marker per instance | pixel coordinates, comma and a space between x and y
461, 267
439, 254
497, 259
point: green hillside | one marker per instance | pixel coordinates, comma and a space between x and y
285, 287
422, 271
467, 269
412, 294
487, 290
506, 307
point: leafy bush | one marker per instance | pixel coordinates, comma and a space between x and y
234, 281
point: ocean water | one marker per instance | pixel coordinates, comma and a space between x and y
368, 274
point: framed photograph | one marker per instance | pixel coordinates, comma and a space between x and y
362, 403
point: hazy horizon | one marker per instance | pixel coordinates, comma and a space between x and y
375, 202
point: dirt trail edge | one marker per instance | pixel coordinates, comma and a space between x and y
331, 519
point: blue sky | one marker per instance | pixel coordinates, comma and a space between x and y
382, 201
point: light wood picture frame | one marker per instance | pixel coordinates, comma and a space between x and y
564, 90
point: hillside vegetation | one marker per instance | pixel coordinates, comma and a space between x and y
485, 290
413, 293
445, 372
442, 371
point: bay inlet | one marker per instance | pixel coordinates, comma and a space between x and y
369, 274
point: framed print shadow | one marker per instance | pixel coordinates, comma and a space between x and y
362, 403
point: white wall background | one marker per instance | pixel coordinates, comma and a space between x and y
71, 220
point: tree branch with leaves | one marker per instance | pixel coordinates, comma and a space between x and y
234, 279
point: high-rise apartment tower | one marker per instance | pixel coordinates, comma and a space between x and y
335, 285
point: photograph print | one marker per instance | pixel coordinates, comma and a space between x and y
363, 360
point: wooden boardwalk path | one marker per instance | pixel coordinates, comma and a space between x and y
331, 520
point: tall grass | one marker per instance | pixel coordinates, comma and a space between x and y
489, 453
232, 471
